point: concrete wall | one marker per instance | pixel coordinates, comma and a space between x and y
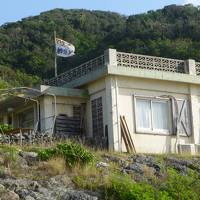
148, 143
64, 105
95, 89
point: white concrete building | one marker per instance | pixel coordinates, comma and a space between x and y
159, 98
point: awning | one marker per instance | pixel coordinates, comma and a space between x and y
16, 97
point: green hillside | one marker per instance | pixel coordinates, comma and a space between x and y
28, 45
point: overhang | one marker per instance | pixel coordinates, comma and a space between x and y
153, 74
63, 91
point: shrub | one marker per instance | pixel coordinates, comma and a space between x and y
73, 154
182, 187
123, 187
46, 154
5, 127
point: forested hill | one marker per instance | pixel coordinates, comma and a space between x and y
28, 45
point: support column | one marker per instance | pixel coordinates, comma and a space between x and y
190, 67
114, 133
195, 121
110, 57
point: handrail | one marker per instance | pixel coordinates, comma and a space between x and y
77, 72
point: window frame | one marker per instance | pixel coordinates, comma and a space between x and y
152, 130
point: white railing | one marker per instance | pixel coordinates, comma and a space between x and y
150, 62
127, 60
197, 65
77, 72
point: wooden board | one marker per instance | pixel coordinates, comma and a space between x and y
126, 136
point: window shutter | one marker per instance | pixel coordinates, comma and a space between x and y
181, 111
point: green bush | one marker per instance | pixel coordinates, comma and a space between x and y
183, 187
176, 186
73, 154
46, 154
5, 127
124, 188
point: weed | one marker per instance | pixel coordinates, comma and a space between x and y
54, 166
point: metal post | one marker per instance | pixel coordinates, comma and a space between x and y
56, 73
20, 137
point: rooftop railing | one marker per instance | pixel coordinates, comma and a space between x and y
150, 62
127, 60
77, 72
197, 66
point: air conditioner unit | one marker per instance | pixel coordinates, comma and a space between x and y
186, 149
197, 148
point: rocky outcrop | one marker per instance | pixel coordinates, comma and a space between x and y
17, 189
61, 186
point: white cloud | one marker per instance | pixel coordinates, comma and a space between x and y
194, 2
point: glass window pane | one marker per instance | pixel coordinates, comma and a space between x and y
160, 115
143, 116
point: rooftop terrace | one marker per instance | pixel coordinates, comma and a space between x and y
120, 63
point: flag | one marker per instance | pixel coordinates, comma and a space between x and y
63, 48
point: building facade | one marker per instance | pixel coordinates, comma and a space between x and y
158, 97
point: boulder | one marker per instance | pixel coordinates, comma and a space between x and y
29, 198
10, 195
179, 165
102, 165
34, 186
136, 167
22, 193
2, 188
77, 195
30, 157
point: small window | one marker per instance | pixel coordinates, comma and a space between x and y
152, 115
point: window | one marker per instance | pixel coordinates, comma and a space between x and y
97, 117
152, 115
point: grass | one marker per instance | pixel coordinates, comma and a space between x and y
54, 166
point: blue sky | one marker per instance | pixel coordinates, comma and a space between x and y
13, 10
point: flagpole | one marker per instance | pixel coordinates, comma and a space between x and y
56, 73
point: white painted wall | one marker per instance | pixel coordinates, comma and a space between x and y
127, 87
